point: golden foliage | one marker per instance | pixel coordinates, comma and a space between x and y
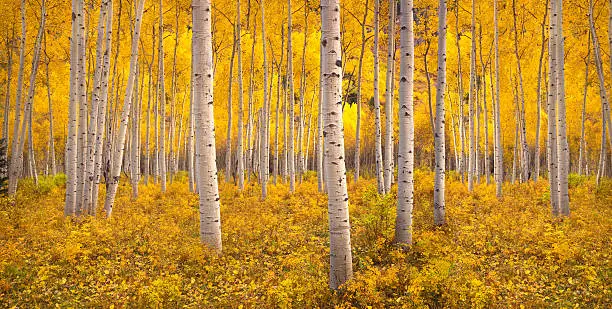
492, 253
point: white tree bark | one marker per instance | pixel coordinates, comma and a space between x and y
9, 76
210, 218
389, 81
117, 160
587, 61
240, 138
341, 268
472, 161
265, 151
291, 101
228, 138
162, 102
51, 162
498, 163
536, 156
405, 155
562, 143
377, 120
359, 81
439, 137
522, 126
553, 175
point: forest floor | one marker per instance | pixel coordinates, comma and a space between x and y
491, 253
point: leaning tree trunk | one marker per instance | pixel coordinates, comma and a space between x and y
388, 159
117, 160
439, 137
210, 223
14, 165
405, 154
378, 135
341, 268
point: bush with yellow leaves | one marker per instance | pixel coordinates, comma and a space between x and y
491, 253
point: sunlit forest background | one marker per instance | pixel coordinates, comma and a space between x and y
493, 251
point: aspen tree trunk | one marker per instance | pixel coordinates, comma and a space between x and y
250, 116
134, 168
605, 104
454, 134
553, 174
228, 139
341, 268
291, 101
472, 161
405, 155
17, 158
320, 176
102, 109
83, 108
359, 81
439, 137
148, 130
498, 166
587, 61
210, 223
300, 137
285, 167
70, 148
15, 165
51, 157
308, 133
388, 159
172, 153
278, 103
601, 166
562, 143
477, 167
9, 75
486, 112
113, 181
462, 159
536, 156
378, 139
190, 138
93, 123
161, 157
517, 118
240, 147
265, 151
522, 126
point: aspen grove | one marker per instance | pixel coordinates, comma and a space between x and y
302, 153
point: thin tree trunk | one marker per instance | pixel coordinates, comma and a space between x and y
162, 102
264, 165
291, 101
240, 147
9, 75
524, 147
498, 165
439, 137
51, 157
228, 139
388, 158
472, 161
117, 160
377, 119
536, 156
462, 161
359, 81
587, 61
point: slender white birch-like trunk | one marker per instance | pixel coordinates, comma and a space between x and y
117, 160
522, 126
51, 157
291, 101
341, 268
228, 138
405, 155
359, 81
389, 81
562, 143
439, 137
486, 112
9, 76
536, 156
377, 120
553, 175
210, 218
264, 150
162, 102
472, 161
587, 61
498, 162
240, 138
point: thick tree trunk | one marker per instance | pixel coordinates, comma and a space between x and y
405, 155
562, 142
553, 174
439, 137
210, 223
341, 268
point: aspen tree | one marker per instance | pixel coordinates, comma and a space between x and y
472, 155
388, 159
9, 75
460, 103
553, 175
162, 101
51, 157
117, 160
498, 162
278, 103
377, 121
210, 223
562, 143
341, 268
485, 110
250, 115
264, 165
439, 138
405, 155
291, 101
523, 131
359, 81
587, 61
536, 156
240, 147
320, 177
14, 164
228, 138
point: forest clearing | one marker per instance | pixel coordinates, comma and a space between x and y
305, 153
